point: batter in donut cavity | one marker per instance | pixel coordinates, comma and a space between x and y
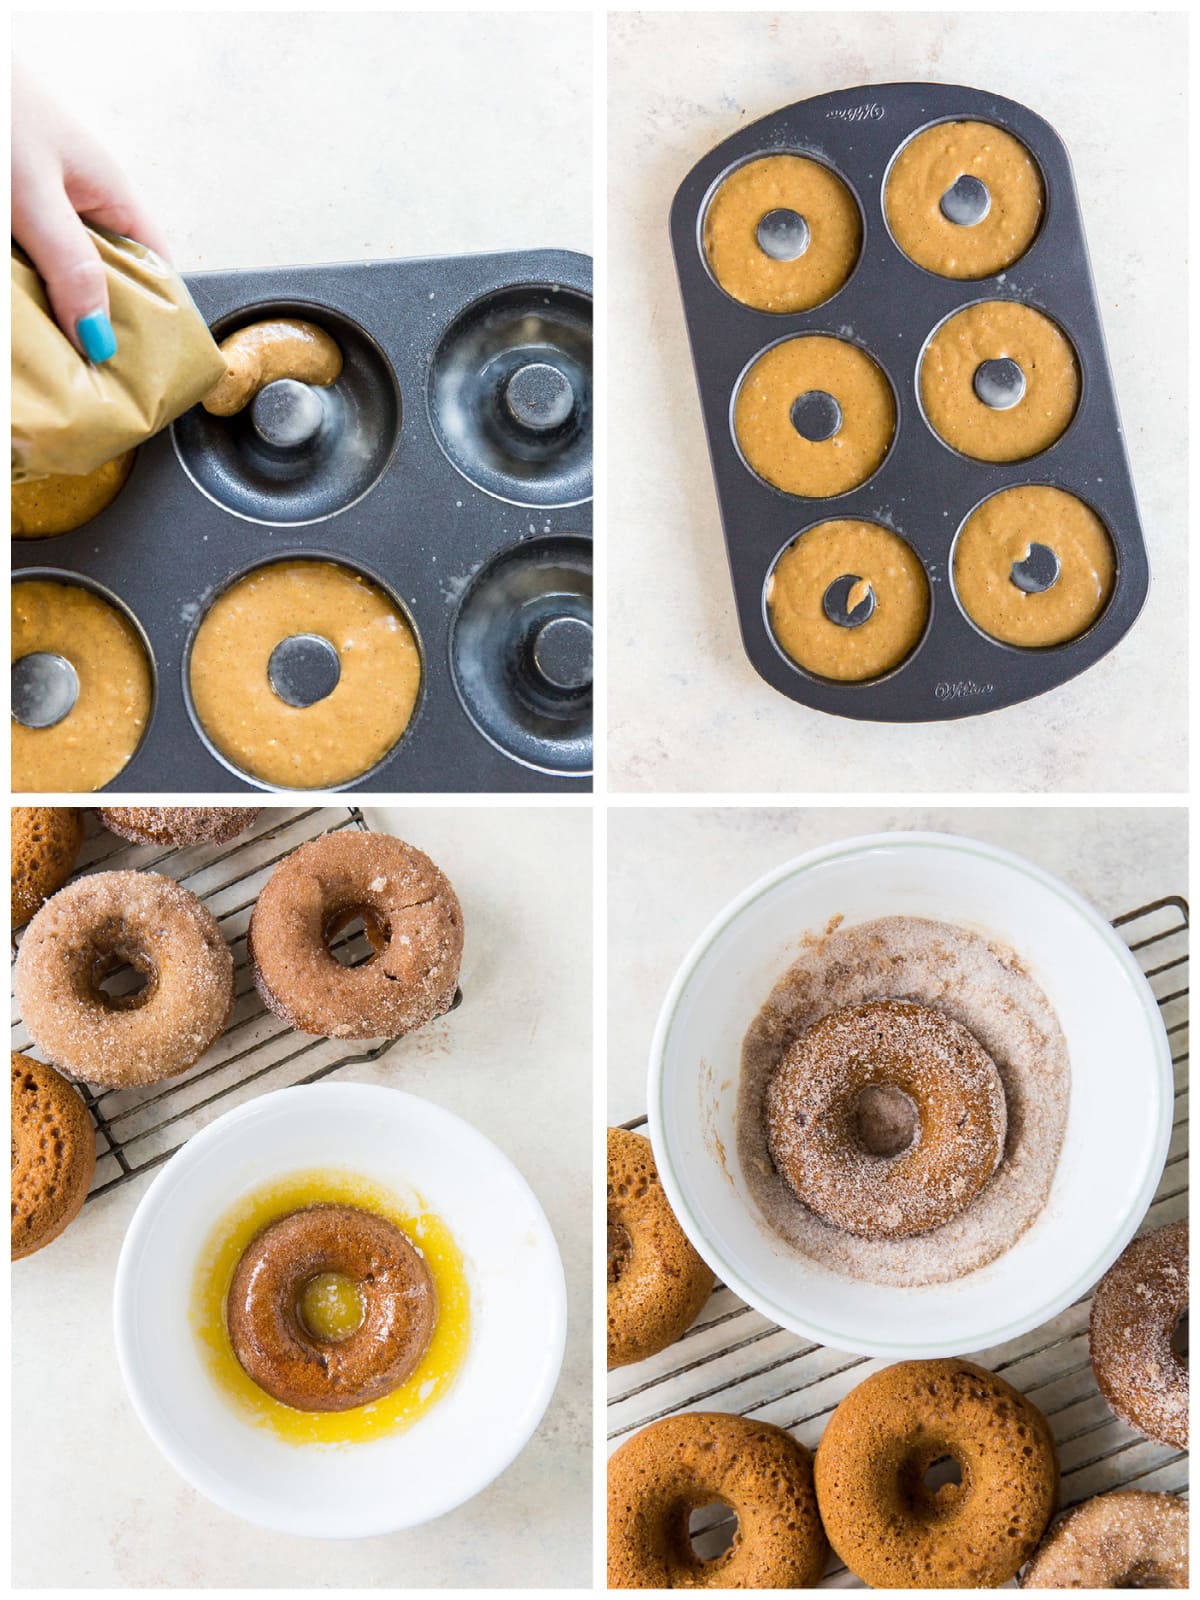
998, 573
782, 233
60, 503
975, 982
342, 734
976, 349
877, 621
964, 199
97, 737
814, 416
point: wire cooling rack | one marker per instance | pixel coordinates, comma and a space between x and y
139, 1129
733, 1359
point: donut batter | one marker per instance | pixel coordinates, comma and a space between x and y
878, 558
992, 331
100, 733
782, 183
999, 534
770, 441
930, 165
281, 347
59, 504
336, 738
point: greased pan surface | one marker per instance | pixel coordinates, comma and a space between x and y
182, 528
924, 490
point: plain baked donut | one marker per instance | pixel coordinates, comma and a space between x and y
886, 1119
264, 352
888, 1525
1130, 1539
45, 844
411, 916
293, 1362
657, 1284
178, 825
85, 933
1135, 1311
53, 1154
676, 1466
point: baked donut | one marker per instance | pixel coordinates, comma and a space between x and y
60, 503
782, 233
1135, 1311
886, 1119
871, 581
964, 199
895, 1530
411, 916
53, 1154
814, 416
89, 930
967, 374
178, 825
674, 1467
1130, 1539
45, 843
330, 1307
657, 1283
1033, 566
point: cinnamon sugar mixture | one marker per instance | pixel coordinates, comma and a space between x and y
976, 982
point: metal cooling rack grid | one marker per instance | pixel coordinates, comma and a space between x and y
733, 1359
139, 1129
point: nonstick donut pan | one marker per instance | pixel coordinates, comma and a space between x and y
924, 490
450, 463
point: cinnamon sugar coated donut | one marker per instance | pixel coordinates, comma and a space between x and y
178, 825
892, 1528
411, 916
1135, 1312
53, 1154
45, 843
88, 931
676, 1466
886, 1119
657, 1283
1130, 1539
363, 1332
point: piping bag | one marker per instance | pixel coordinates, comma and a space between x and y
69, 416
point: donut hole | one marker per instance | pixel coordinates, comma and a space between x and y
1179, 1349
620, 1249
1145, 1575
123, 978
712, 1529
330, 1307
942, 1472
357, 935
885, 1120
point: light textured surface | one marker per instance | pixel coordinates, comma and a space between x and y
687, 711
94, 1503
272, 138
671, 871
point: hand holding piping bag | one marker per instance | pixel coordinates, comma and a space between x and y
60, 177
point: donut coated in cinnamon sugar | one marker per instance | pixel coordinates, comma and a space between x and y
1129, 1539
411, 916
178, 825
313, 1368
886, 1119
1135, 1311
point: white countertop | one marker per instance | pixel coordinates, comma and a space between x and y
687, 712
670, 871
95, 1505
273, 138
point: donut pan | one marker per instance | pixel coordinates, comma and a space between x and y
451, 465
924, 490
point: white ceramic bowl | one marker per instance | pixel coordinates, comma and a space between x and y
1118, 1126
518, 1313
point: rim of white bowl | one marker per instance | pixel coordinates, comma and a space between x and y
160, 1433
858, 846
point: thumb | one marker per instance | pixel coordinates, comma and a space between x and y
69, 265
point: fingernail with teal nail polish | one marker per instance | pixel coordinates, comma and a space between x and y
96, 336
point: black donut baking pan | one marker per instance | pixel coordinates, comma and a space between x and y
924, 490
450, 463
